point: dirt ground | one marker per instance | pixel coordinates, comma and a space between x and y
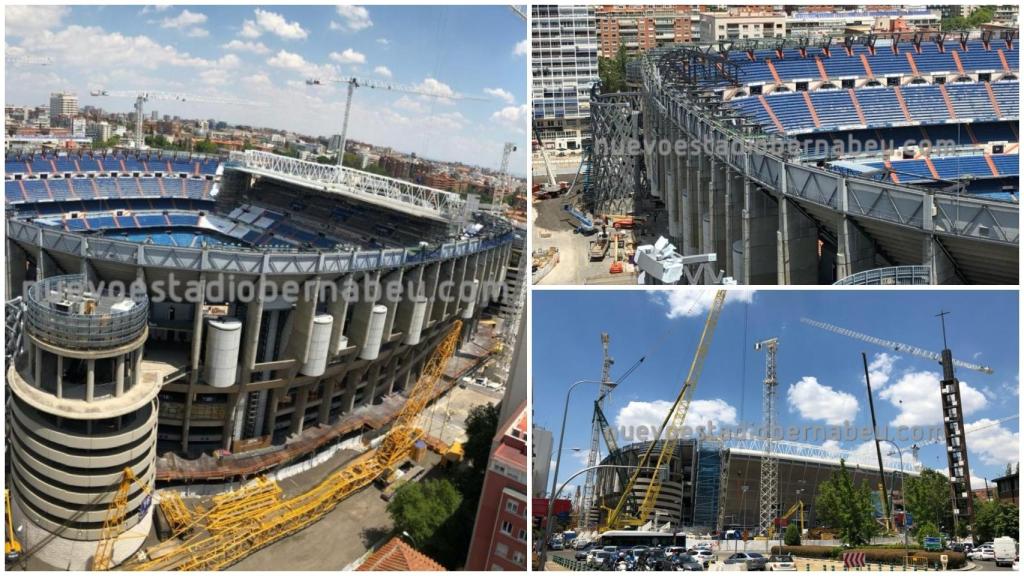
551, 228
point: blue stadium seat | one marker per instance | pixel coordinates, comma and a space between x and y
925, 103
970, 101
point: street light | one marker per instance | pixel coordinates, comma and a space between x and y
409, 536
555, 493
558, 456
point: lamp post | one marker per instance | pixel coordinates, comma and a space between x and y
409, 536
555, 493
903, 495
558, 462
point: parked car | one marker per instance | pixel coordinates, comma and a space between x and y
1004, 550
705, 556
753, 560
780, 563
686, 563
581, 555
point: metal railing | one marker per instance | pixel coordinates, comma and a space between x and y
894, 275
81, 331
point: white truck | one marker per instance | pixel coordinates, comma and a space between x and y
1005, 549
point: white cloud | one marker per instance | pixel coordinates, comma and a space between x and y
154, 8
214, 76
815, 401
521, 47
228, 61
690, 303
500, 94
383, 41
250, 30
880, 369
409, 104
258, 79
512, 117
295, 62
648, 416
240, 46
382, 71
436, 88
348, 56
27, 21
996, 445
198, 33
354, 19
184, 20
916, 396
277, 25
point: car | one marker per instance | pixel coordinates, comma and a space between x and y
704, 555
556, 545
581, 555
753, 560
636, 551
984, 552
780, 563
673, 550
611, 550
598, 557
687, 563
581, 544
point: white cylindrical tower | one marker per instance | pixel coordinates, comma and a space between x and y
223, 341
319, 342
419, 311
374, 333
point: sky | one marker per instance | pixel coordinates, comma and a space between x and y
265, 54
820, 374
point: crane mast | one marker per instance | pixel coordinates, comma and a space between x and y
676, 416
506, 179
595, 435
769, 487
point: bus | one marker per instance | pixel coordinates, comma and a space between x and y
630, 538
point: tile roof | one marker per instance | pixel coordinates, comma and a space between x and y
397, 556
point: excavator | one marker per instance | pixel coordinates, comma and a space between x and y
242, 522
783, 520
618, 518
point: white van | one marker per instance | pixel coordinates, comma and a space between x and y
1005, 549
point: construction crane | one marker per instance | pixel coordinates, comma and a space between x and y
915, 450
677, 416
506, 178
519, 10
615, 455
12, 546
595, 434
113, 524
142, 96
353, 83
896, 346
552, 187
256, 516
769, 487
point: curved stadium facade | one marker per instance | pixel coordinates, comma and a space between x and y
864, 160
259, 382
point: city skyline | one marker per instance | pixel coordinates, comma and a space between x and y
266, 55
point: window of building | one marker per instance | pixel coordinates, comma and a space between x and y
512, 506
501, 550
518, 558
522, 534
506, 527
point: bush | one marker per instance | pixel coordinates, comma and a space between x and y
792, 536
886, 555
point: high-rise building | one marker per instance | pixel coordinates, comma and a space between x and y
154, 115
62, 104
541, 461
98, 131
564, 48
742, 24
642, 27
499, 533
815, 23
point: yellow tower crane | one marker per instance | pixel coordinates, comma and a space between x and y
114, 522
12, 547
617, 517
243, 522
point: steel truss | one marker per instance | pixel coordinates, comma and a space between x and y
395, 194
617, 173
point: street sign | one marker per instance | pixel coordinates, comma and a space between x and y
910, 519
932, 543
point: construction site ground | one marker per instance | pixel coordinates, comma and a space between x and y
553, 227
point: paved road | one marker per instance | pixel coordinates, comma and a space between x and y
987, 565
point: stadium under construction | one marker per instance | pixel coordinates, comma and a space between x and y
888, 158
115, 394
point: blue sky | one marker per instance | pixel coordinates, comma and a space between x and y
820, 374
266, 53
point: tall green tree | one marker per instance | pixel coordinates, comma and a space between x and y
420, 508
993, 519
612, 71
847, 507
792, 535
927, 498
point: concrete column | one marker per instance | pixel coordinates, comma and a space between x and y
17, 269
119, 375
137, 370
37, 372
430, 279
328, 394
943, 270
760, 236
90, 379
855, 252
197, 350
275, 399
454, 303
338, 309
671, 196
692, 227
798, 246
704, 193
299, 414
60, 376
443, 294
372, 382
361, 311
719, 235
393, 277
351, 384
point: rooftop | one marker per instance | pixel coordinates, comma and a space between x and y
397, 556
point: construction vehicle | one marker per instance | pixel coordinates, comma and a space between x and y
12, 546
552, 187
783, 521
256, 516
584, 225
599, 248
617, 516
113, 524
